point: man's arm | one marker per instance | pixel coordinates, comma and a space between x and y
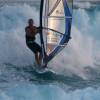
38, 29
26, 30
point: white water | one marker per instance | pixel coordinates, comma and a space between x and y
12, 40
79, 53
82, 51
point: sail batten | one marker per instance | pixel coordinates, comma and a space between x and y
58, 17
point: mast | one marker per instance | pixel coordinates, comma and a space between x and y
41, 31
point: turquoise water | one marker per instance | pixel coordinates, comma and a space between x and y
75, 71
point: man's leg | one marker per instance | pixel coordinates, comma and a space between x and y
34, 48
40, 57
37, 58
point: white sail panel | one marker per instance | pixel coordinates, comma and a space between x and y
55, 21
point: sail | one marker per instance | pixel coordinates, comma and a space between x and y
56, 18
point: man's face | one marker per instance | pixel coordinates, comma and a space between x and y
31, 22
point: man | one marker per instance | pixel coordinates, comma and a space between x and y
31, 32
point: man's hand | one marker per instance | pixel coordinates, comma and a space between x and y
38, 29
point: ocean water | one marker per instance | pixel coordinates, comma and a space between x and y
74, 72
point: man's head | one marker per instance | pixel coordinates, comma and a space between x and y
31, 22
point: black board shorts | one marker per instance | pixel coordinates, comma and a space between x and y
32, 45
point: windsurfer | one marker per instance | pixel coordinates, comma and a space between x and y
31, 32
